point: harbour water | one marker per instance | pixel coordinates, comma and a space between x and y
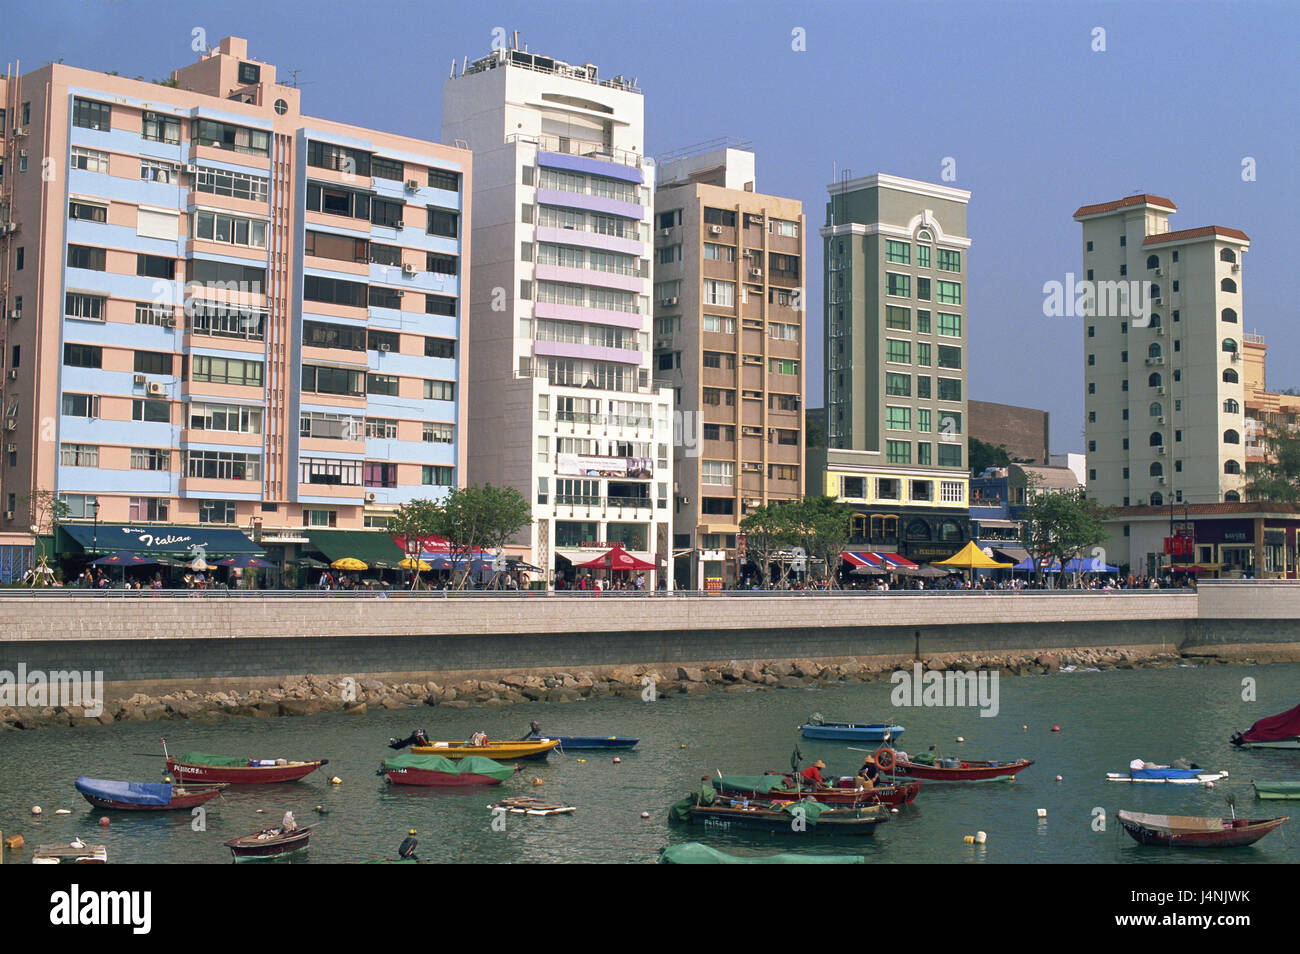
1106, 720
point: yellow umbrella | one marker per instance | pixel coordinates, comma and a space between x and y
349, 563
971, 557
410, 564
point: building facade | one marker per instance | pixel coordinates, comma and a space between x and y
896, 255
565, 408
221, 311
730, 341
1165, 398
1024, 431
1267, 412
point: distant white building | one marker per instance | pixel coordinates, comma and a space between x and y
1075, 462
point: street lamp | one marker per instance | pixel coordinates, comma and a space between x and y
94, 512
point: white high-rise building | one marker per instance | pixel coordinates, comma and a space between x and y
562, 402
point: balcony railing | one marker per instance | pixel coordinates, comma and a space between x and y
616, 503
588, 149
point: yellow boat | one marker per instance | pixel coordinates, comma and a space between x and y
500, 751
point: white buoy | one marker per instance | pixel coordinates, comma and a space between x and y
1042, 813
645, 814
1059, 779
1209, 785
981, 837
36, 809
960, 739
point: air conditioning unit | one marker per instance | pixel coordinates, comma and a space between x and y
672, 300
408, 268
412, 184
140, 379
715, 229
1162, 480
1160, 389
155, 387
1161, 450
397, 226
664, 233
10, 228
11, 448
9, 514
13, 374
1236, 266
370, 498
685, 500
1160, 272
22, 153
1236, 356
385, 347
190, 169
20, 131
1156, 300
169, 322
1160, 420
11, 424
756, 273
15, 314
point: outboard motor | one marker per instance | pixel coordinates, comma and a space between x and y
407, 850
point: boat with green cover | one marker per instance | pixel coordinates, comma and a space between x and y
436, 770
694, 853
1277, 789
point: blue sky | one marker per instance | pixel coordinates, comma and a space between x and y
1037, 121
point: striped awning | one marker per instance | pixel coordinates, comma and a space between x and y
878, 561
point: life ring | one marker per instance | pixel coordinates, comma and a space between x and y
885, 758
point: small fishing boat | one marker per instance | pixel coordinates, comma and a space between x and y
523, 805
1277, 789
818, 728
1163, 774
75, 853
270, 842
507, 751
842, 791
1281, 731
144, 796
694, 853
596, 741
438, 771
931, 768
805, 817
202, 767
1187, 831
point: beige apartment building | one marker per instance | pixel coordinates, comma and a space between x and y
1165, 396
729, 338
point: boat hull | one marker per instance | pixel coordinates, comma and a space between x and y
966, 772
248, 848
247, 775
854, 822
850, 731
597, 742
902, 793
499, 751
424, 777
1233, 834
1272, 790
181, 800
1275, 744
1167, 777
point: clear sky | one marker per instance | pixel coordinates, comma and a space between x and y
1037, 121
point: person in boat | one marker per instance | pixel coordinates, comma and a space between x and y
534, 732
869, 773
288, 823
812, 775
478, 738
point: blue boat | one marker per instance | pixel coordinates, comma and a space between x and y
596, 741
818, 728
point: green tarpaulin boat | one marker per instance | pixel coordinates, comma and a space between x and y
436, 770
1277, 789
693, 853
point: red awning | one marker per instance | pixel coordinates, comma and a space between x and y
616, 559
879, 561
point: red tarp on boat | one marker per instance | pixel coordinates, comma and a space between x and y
1284, 725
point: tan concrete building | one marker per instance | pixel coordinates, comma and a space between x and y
729, 338
1266, 411
1164, 402
1024, 431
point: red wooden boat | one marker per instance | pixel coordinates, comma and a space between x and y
144, 796
200, 767
950, 769
1186, 831
843, 791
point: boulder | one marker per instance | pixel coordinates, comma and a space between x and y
354, 708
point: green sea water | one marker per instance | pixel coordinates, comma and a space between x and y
1106, 720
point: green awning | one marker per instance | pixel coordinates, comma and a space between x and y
154, 540
371, 547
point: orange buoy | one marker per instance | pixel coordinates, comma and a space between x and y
1056, 728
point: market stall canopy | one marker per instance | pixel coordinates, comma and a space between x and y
878, 561
371, 547
1089, 565
971, 557
160, 540
616, 559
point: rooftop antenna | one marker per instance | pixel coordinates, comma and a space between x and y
452, 74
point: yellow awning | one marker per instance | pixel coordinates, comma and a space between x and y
971, 557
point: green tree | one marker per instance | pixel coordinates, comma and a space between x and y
1277, 479
768, 530
1058, 526
984, 455
479, 518
414, 521
825, 526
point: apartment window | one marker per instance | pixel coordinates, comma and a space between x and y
718, 472
380, 475
334, 200
217, 511
159, 127
83, 256
923, 256
153, 362
899, 385
949, 260
338, 427
785, 267
898, 351
923, 354
226, 417
950, 423
783, 436
383, 341
950, 455
245, 277
435, 475
81, 405
229, 229
721, 294
387, 169
896, 452
335, 291
899, 252
327, 155
951, 491
150, 458
444, 222
438, 433
319, 334
319, 518
782, 366
950, 293
783, 332
723, 217
923, 452
898, 285
720, 324
78, 356
782, 472
949, 357
386, 212
783, 228
950, 325
900, 319
439, 348
84, 307
156, 412
382, 384
155, 266
717, 397
90, 115
923, 289
236, 185
380, 297
89, 160
80, 506
949, 389
325, 470
148, 509
226, 371
439, 391
923, 422
719, 432
439, 305
254, 142
898, 418
79, 455
381, 428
